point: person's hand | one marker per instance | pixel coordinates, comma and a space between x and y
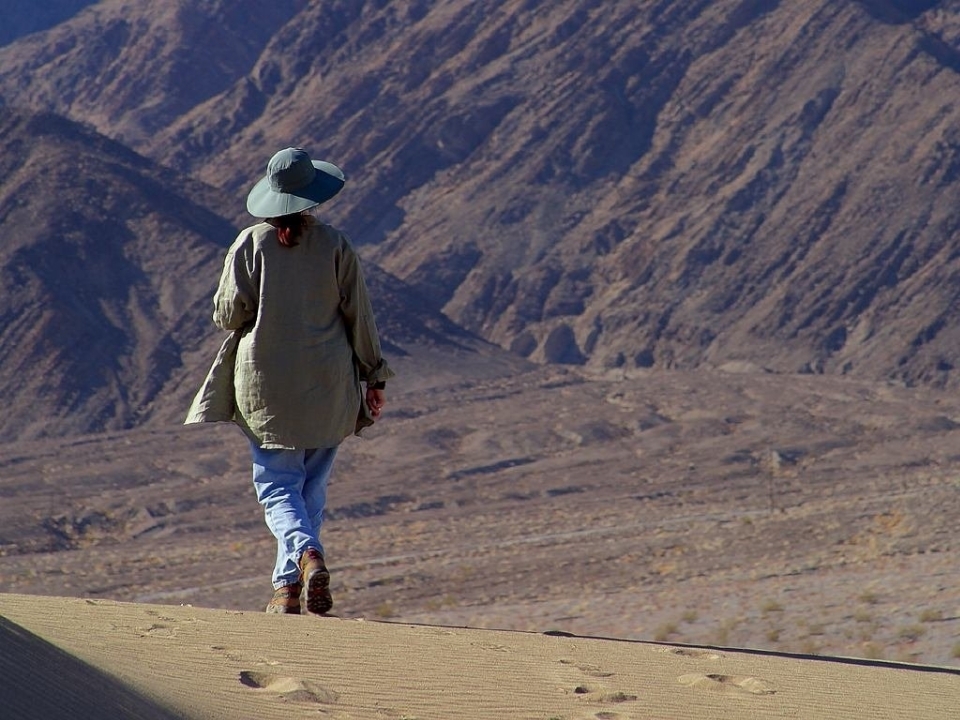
375, 402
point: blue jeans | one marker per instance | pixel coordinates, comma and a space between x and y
291, 486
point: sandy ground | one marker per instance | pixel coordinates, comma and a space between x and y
72, 658
807, 516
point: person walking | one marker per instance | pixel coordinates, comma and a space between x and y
302, 340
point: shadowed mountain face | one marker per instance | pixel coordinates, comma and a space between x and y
661, 184
108, 265
105, 267
22, 17
899, 11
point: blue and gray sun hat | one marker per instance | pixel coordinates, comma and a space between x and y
293, 183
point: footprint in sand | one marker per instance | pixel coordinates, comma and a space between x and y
599, 692
594, 671
157, 630
728, 683
616, 696
491, 646
693, 653
228, 653
288, 689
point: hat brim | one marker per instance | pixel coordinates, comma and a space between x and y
265, 202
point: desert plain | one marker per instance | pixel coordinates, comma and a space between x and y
683, 519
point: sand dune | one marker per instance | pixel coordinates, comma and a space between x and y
800, 514
81, 658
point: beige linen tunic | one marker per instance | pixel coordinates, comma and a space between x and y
303, 338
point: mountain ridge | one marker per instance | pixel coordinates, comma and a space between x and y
108, 266
674, 186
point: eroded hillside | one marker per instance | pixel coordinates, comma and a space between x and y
658, 184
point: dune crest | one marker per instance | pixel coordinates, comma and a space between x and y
161, 662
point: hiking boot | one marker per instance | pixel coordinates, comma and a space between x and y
316, 579
286, 600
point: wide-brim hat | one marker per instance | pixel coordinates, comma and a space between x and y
293, 183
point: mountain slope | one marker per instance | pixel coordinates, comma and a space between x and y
108, 267
23, 17
105, 266
627, 185
127, 68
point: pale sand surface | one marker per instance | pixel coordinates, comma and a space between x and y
115, 659
803, 514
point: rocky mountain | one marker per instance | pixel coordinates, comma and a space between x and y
106, 271
23, 17
724, 183
128, 68
108, 266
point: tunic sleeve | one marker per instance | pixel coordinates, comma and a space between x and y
358, 318
235, 303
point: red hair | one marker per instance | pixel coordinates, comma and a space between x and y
290, 227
